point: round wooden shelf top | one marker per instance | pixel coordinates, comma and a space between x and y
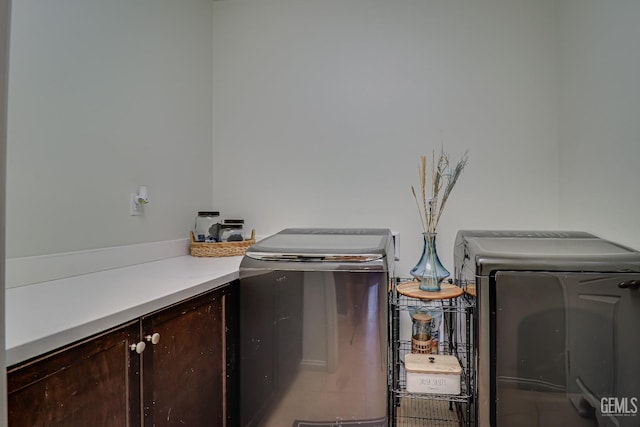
471, 290
411, 289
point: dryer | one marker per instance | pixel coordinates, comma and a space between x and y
557, 323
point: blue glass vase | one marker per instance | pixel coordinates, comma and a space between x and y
429, 272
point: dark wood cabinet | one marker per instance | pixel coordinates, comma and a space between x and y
85, 384
185, 378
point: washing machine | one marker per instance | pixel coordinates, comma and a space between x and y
314, 328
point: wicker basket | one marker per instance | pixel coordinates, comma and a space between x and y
220, 249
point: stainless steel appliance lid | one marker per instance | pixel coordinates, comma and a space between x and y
548, 247
323, 244
527, 234
553, 251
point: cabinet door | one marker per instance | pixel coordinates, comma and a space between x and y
184, 381
84, 384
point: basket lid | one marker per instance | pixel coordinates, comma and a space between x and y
432, 363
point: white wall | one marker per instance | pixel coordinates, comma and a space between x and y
105, 96
322, 109
600, 118
5, 13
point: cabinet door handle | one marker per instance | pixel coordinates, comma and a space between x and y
630, 284
153, 339
138, 348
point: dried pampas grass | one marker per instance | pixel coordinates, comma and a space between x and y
435, 193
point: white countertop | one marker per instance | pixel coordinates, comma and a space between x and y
44, 316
